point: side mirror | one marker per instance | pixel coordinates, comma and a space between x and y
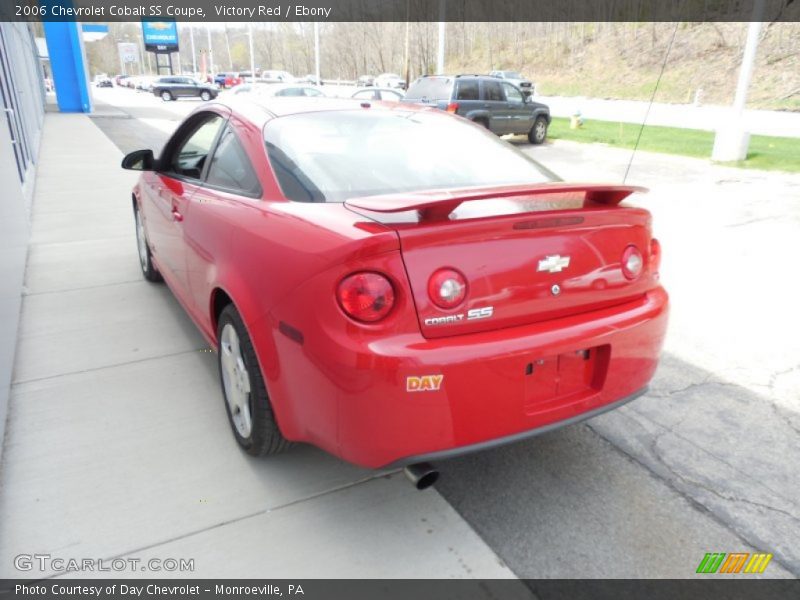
139, 160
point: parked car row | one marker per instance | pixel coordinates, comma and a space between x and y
233, 78
489, 100
501, 101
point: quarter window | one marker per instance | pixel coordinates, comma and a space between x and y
468, 89
230, 167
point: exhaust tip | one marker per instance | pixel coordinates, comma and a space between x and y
422, 475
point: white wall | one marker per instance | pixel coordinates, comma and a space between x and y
21, 91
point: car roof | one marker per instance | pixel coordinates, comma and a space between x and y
259, 110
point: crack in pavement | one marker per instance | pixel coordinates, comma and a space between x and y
696, 502
665, 429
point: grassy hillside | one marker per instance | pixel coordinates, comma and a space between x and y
622, 60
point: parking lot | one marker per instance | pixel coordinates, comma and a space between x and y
704, 462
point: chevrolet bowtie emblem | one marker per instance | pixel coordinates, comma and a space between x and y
553, 263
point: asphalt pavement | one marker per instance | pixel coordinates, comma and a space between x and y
705, 462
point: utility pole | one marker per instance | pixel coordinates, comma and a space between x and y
440, 53
316, 52
228, 46
732, 139
210, 53
194, 58
252, 55
406, 57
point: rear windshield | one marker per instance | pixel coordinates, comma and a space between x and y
430, 88
334, 156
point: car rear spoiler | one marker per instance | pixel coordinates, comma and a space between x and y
436, 205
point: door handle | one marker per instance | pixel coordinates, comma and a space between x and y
176, 215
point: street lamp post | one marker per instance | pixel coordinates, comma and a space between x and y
316, 52
194, 58
440, 53
210, 52
252, 55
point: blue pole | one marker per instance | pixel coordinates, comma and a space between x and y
67, 62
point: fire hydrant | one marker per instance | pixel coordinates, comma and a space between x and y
576, 120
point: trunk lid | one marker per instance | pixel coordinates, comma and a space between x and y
513, 245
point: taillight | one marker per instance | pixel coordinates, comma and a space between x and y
632, 262
655, 255
366, 297
447, 288
452, 107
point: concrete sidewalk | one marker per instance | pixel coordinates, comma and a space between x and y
118, 444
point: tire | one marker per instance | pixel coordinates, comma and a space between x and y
149, 270
205, 96
244, 392
538, 132
166, 96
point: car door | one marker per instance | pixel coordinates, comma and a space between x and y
183, 164
231, 187
495, 102
186, 87
519, 112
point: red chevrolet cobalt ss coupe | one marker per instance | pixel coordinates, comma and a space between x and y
395, 284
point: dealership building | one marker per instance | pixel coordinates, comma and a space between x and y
24, 101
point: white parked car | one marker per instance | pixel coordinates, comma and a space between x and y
374, 93
276, 77
266, 89
390, 80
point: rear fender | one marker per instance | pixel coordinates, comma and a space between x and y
479, 115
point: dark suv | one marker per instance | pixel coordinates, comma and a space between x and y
174, 87
496, 104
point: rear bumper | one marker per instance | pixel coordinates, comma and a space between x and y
350, 394
516, 437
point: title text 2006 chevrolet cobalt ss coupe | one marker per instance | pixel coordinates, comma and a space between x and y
393, 283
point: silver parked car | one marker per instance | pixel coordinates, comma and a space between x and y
515, 78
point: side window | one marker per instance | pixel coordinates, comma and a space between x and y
290, 92
230, 167
312, 92
190, 155
364, 94
512, 93
389, 95
468, 89
493, 91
